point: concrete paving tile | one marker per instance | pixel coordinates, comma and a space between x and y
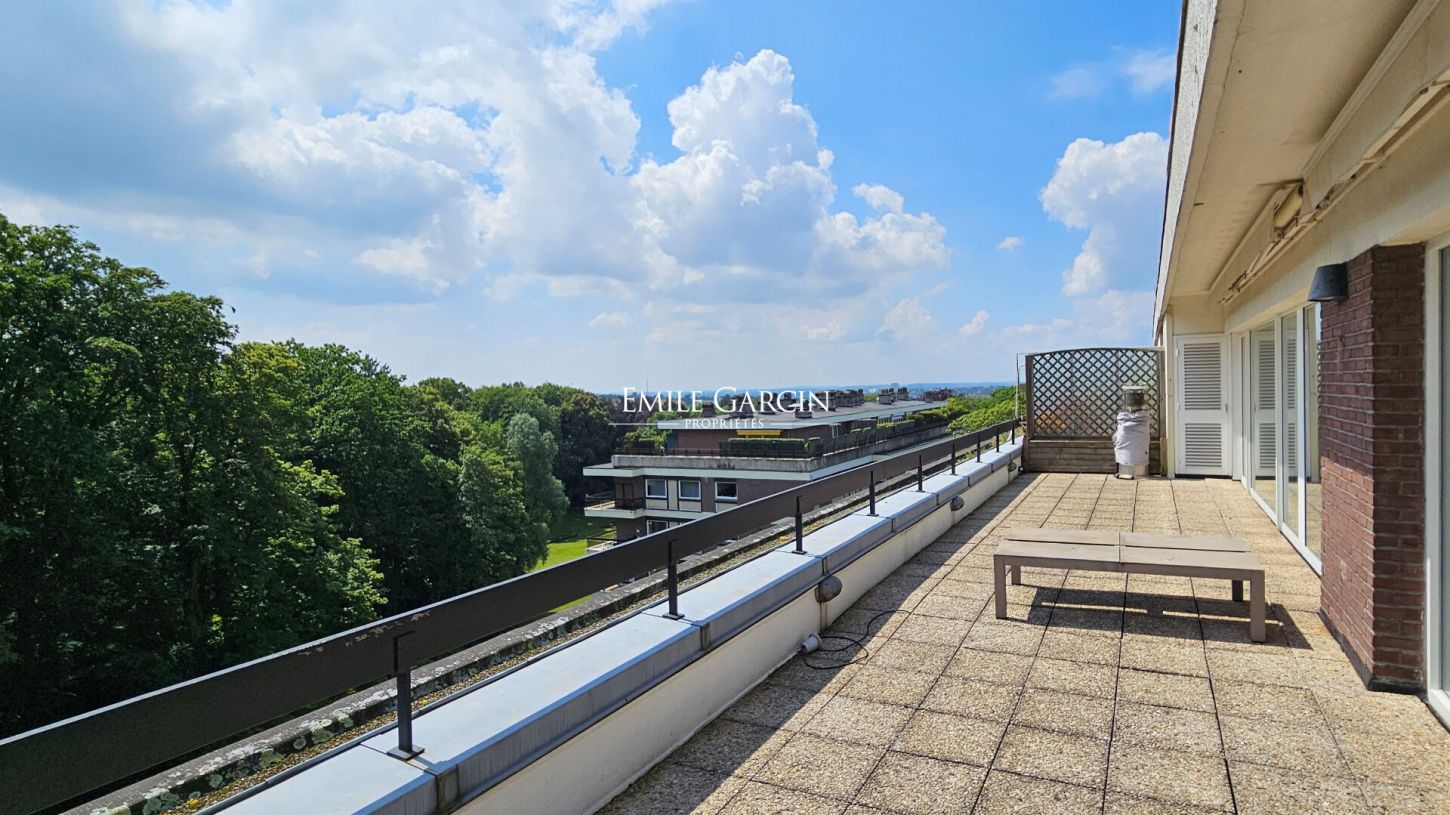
1151, 653
1265, 669
905, 655
1091, 621
1167, 727
1389, 799
1010, 794
949, 737
951, 608
756, 798
925, 786
989, 666
889, 685
1166, 690
1306, 745
1065, 712
1383, 714
1401, 760
1074, 677
810, 763
859, 721
674, 789
935, 630
854, 621
969, 697
1170, 775
1274, 790
776, 706
1118, 803
1275, 702
797, 674
729, 747
1065, 644
1056, 756
1004, 636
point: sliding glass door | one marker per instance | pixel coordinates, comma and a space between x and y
1281, 418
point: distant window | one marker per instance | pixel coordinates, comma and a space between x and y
689, 490
725, 491
651, 527
655, 488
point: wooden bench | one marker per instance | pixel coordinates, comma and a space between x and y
1208, 556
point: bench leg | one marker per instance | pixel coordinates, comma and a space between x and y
1256, 609
1016, 575
1238, 590
999, 585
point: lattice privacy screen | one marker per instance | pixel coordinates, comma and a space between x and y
1077, 394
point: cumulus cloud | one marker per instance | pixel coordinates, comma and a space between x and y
609, 319
907, 320
403, 159
1009, 243
974, 326
1115, 192
1078, 82
880, 197
1147, 71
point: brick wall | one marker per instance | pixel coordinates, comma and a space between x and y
1372, 416
1079, 456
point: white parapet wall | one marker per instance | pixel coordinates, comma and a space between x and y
567, 731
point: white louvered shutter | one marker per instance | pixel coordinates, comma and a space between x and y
1202, 447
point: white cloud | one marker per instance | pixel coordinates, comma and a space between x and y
907, 320
1078, 82
1115, 191
609, 319
974, 326
1147, 71
1009, 243
1113, 318
880, 197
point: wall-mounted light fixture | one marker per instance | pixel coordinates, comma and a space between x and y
1331, 284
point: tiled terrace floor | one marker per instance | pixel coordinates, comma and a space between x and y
1101, 694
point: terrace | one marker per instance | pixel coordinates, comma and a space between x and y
1101, 694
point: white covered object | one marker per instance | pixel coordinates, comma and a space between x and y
1130, 440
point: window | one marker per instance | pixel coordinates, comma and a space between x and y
689, 490
725, 491
651, 527
655, 488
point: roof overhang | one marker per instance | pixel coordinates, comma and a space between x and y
1259, 86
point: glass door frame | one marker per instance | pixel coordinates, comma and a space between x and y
1297, 534
1437, 613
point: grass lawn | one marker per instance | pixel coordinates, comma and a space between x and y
568, 539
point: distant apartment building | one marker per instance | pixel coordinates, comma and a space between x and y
712, 462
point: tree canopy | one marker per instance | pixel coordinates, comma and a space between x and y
173, 501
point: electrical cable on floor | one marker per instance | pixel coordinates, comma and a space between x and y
852, 641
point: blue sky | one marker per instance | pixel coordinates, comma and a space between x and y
670, 194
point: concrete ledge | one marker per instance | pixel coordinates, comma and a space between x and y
354, 780
730, 602
843, 541
903, 508
568, 730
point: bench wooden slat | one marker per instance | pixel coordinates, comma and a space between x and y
1210, 543
1090, 537
1058, 551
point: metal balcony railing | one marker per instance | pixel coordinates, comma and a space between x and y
78, 758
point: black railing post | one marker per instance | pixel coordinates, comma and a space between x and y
979, 445
954, 458
673, 582
997, 440
871, 491
918, 474
800, 539
403, 680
